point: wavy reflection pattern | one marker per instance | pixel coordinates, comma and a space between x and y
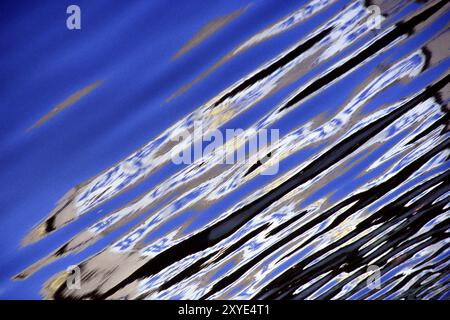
363, 181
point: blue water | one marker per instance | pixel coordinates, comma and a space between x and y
129, 47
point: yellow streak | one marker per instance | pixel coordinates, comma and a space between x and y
208, 30
65, 104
